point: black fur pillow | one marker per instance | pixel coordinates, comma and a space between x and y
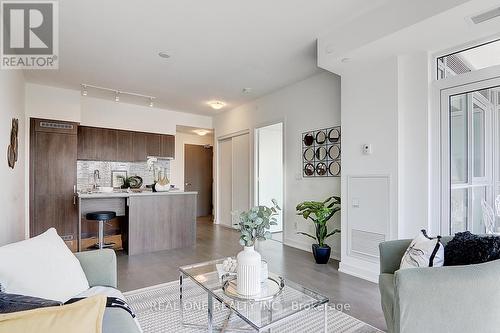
466, 249
14, 303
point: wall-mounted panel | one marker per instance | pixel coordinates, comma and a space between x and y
368, 215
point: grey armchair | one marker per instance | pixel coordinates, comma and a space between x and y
438, 299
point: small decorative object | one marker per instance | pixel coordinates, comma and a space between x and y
163, 183
132, 182
12, 150
320, 213
321, 153
229, 265
271, 288
118, 178
253, 225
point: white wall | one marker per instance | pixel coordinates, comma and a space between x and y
181, 139
369, 116
306, 105
12, 195
385, 103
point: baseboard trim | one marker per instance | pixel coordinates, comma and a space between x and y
359, 272
307, 247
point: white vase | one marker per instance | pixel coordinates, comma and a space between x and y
248, 271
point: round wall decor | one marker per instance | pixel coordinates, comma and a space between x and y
321, 152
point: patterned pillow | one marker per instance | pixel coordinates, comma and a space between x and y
14, 303
423, 252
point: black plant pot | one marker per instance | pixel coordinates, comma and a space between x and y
321, 253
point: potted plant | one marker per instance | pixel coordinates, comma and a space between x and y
254, 226
320, 213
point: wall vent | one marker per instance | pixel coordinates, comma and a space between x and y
46, 124
486, 16
366, 243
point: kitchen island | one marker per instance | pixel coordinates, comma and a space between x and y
151, 221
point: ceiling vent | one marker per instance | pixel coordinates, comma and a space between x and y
486, 16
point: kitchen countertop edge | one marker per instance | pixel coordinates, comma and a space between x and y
128, 195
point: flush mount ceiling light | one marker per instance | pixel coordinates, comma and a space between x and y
84, 90
216, 105
201, 132
164, 55
117, 93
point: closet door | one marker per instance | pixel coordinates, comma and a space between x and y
225, 182
241, 174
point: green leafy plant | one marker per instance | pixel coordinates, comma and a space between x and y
255, 224
319, 213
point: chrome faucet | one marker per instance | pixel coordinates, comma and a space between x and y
97, 177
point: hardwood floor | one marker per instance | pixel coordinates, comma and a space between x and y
213, 241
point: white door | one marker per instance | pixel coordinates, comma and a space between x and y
269, 141
225, 181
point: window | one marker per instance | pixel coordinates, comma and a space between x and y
471, 59
474, 122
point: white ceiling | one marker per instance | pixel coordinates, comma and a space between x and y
217, 47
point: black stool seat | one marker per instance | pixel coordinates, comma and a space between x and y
101, 216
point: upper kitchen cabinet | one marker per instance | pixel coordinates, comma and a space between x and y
102, 144
167, 146
124, 144
97, 144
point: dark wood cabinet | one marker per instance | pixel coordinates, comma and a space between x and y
153, 144
103, 144
97, 144
53, 157
124, 146
167, 146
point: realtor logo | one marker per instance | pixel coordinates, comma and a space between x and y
29, 32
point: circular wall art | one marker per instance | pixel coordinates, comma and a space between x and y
334, 152
321, 152
308, 139
309, 154
309, 169
321, 169
334, 135
320, 137
334, 168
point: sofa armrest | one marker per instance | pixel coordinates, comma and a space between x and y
448, 299
391, 253
99, 267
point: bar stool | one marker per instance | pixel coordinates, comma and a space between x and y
101, 217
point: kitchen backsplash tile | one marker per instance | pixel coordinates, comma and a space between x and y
85, 172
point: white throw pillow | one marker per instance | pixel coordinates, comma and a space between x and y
423, 252
42, 266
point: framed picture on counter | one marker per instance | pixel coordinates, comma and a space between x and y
116, 178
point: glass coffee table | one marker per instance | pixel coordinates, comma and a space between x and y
258, 316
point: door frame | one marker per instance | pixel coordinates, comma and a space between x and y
217, 197
439, 131
256, 167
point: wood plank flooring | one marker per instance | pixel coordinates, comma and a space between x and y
215, 241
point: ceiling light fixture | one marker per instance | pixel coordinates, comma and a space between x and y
164, 55
117, 93
216, 105
201, 132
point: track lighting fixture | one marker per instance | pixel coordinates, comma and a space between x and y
117, 93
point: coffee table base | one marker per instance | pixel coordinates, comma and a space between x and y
210, 327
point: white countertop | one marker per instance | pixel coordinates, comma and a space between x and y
98, 195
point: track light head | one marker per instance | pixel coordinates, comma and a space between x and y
84, 90
117, 96
151, 104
